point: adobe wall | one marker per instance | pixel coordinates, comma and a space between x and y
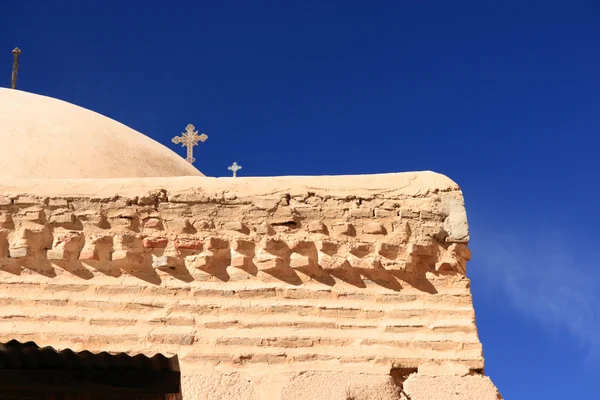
346, 287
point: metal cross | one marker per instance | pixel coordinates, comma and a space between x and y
189, 139
235, 168
15, 71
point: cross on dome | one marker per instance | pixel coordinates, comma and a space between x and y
189, 139
15, 70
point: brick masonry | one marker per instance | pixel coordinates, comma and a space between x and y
348, 276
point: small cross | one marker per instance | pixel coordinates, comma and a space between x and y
235, 168
190, 139
15, 70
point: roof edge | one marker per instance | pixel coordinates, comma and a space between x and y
414, 184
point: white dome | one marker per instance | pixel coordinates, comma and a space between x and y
42, 137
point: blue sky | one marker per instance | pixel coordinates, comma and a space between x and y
503, 97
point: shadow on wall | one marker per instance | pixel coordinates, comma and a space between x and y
31, 372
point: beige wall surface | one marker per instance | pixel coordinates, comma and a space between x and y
349, 287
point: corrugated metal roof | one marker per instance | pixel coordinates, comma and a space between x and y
17, 355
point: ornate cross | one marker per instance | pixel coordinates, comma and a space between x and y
15, 71
189, 139
235, 168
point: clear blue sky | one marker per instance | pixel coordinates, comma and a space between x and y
502, 96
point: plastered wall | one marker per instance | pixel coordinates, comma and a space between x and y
266, 288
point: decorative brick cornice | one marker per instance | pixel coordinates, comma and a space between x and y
254, 225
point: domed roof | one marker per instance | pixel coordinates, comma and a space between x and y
42, 137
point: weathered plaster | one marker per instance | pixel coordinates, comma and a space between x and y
265, 288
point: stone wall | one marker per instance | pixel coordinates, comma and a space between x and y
347, 287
